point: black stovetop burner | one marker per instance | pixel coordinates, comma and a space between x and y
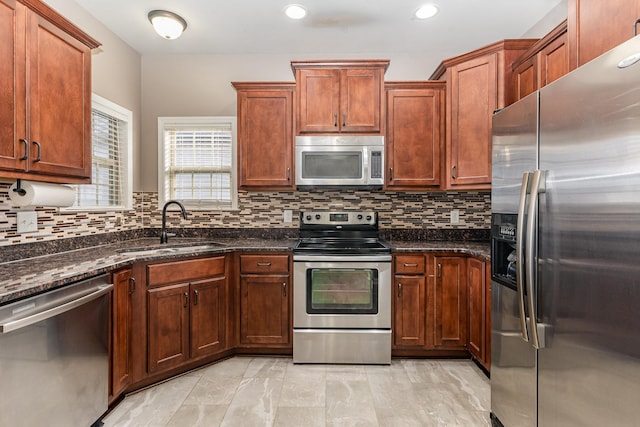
340, 233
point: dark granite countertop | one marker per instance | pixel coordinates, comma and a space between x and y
23, 278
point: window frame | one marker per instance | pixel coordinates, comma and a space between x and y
119, 112
197, 121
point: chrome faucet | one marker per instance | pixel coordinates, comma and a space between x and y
164, 237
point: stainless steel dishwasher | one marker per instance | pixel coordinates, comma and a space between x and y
54, 362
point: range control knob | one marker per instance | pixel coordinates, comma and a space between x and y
359, 216
368, 217
308, 218
318, 217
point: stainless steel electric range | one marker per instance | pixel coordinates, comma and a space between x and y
341, 290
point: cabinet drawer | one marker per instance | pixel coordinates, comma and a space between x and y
184, 271
409, 264
264, 264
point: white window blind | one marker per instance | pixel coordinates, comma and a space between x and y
198, 166
110, 174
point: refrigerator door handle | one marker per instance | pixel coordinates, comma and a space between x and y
520, 242
537, 187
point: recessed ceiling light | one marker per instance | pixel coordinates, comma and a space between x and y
295, 11
427, 11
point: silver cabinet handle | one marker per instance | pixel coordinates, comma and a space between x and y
186, 299
344, 119
284, 289
410, 265
195, 297
399, 290
335, 120
38, 156
26, 149
537, 187
390, 174
454, 171
439, 270
520, 242
54, 311
132, 285
288, 174
263, 264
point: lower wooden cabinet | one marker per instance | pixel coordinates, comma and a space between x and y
477, 309
121, 331
187, 319
450, 302
265, 301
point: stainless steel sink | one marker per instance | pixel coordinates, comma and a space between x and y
169, 249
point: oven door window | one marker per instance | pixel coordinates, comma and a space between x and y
339, 164
342, 291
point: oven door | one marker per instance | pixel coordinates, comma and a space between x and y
342, 292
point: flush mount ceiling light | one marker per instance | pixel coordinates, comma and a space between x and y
427, 11
167, 24
295, 11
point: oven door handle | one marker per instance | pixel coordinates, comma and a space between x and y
344, 258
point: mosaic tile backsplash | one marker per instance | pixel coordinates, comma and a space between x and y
260, 210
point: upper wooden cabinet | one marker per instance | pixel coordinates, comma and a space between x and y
45, 79
596, 26
265, 136
546, 61
415, 134
478, 83
340, 96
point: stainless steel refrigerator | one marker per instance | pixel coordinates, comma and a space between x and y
566, 250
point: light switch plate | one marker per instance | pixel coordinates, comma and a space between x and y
27, 221
287, 216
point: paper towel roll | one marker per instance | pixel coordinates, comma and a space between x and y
42, 194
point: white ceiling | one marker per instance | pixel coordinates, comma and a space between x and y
331, 27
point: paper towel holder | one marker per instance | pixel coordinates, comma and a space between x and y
21, 191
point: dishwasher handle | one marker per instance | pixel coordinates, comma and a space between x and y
54, 311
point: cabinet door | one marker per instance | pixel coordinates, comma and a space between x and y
360, 100
59, 106
477, 307
450, 302
208, 316
554, 60
526, 78
265, 138
409, 311
168, 327
318, 100
596, 26
414, 137
487, 318
12, 86
264, 309
123, 288
473, 94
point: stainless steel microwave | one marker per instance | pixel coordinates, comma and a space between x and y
353, 161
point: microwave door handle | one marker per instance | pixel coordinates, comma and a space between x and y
520, 242
537, 187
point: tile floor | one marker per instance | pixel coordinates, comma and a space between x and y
266, 391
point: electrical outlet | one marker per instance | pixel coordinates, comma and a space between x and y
287, 216
27, 221
454, 216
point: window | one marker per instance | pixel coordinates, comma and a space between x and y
111, 182
197, 162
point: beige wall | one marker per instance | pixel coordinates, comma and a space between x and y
116, 69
